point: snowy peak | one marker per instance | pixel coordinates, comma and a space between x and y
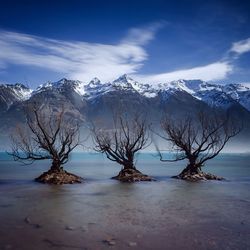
123, 78
10, 94
127, 83
212, 94
238, 93
217, 95
66, 82
63, 84
22, 91
123, 82
236, 87
95, 88
95, 82
18, 90
81, 88
190, 86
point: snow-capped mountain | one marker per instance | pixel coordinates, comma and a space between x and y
215, 95
20, 91
219, 95
239, 93
10, 94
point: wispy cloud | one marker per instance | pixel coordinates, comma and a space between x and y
214, 71
241, 47
143, 36
78, 60
83, 60
211, 72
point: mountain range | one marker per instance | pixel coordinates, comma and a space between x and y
94, 100
216, 95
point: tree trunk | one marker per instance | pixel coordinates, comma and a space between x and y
191, 169
56, 166
129, 165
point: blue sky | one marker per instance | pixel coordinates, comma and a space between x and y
152, 41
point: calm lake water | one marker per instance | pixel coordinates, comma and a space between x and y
165, 214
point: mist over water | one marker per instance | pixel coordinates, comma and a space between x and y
165, 214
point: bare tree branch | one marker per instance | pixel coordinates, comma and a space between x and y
198, 139
49, 134
129, 136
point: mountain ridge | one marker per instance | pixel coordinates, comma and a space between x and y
213, 94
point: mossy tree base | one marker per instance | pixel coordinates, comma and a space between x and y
198, 176
132, 175
58, 177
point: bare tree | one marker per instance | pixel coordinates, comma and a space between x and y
198, 140
123, 142
47, 135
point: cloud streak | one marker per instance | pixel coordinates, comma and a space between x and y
214, 71
241, 47
83, 61
78, 60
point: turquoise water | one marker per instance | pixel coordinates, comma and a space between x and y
165, 214
97, 166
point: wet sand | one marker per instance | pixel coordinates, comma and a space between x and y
105, 214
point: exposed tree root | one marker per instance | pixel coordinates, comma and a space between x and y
197, 176
132, 175
58, 177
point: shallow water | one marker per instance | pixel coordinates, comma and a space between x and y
166, 214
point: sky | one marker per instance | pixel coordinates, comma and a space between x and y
152, 41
